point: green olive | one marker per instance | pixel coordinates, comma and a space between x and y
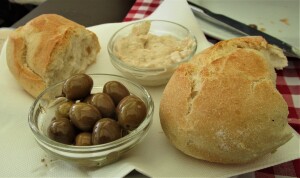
61, 130
116, 90
103, 103
63, 109
106, 130
87, 99
131, 112
83, 139
77, 87
84, 116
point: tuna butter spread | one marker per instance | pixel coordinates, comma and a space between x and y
143, 49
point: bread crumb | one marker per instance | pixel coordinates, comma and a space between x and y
253, 26
285, 21
262, 29
47, 161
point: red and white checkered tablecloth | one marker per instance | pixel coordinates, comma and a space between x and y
288, 84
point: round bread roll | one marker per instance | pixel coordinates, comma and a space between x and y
49, 49
223, 105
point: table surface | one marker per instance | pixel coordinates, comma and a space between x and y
288, 79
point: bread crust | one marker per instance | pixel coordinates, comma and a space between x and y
223, 105
34, 49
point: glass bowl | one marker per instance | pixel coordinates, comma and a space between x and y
43, 110
154, 75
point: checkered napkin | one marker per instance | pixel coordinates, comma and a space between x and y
141, 9
288, 84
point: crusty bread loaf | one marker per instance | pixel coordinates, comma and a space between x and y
49, 49
223, 105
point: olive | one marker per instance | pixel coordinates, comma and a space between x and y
88, 99
83, 139
84, 116
106, 130
77, 87
61, 130
131, 111
116, 90
63, 109
103, 103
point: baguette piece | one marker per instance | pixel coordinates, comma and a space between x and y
223, 105
49, 49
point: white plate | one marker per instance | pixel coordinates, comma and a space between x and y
22, 157
279, 18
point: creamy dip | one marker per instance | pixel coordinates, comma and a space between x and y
143, 49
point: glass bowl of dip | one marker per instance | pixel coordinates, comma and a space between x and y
149, 51
43, 110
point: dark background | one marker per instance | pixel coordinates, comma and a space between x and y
12, 12
94, 12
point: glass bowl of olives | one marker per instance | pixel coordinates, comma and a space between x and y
91, 120
149, 51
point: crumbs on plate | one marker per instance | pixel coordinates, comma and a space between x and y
285, 21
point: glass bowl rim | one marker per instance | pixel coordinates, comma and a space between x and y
144, 69
46, 140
